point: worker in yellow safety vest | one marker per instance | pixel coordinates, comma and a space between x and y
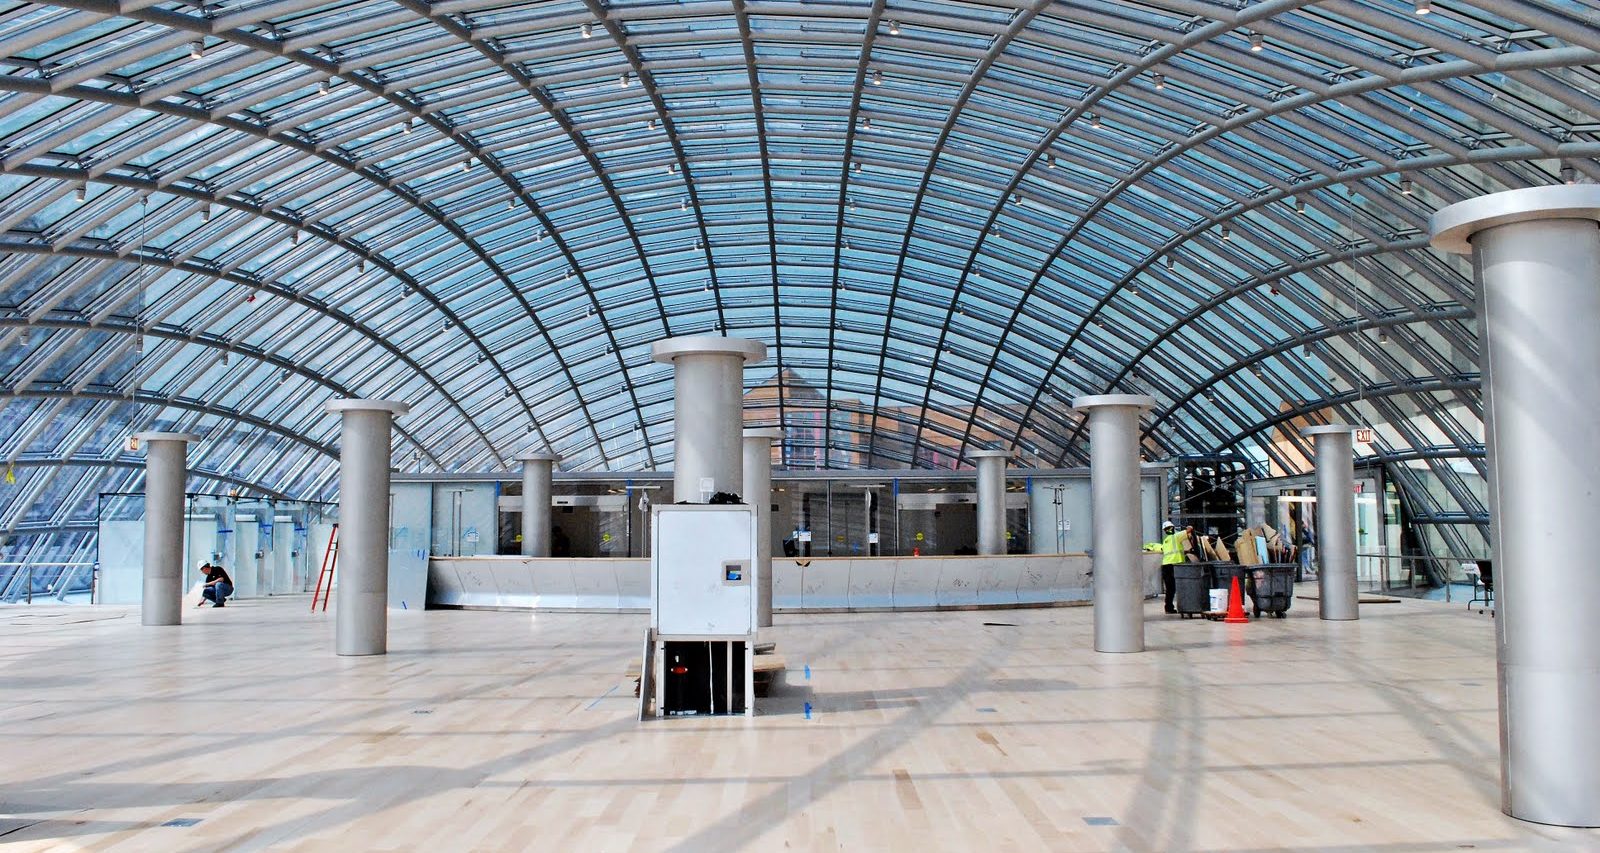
1173, 542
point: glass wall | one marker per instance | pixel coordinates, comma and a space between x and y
268, 547
1289, 504
850, 514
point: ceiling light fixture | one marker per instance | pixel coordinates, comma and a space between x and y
1405, 186
197, 50
325, 86
1172, 262
586, 31
856, 167
1569, 175
1094, 120
624, 80
1300, 205
1423, 7
877, 77
83, 192
205, 213
894, 28
866, 124
1160, 80
1050, 161
1227, 233
1257, 41
408, 126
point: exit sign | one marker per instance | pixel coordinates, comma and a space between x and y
1363, 435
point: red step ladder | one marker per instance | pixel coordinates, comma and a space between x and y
330, 561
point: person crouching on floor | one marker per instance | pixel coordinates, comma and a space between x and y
218, 586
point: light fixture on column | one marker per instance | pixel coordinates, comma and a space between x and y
511, 204
361, 264
294, 237
1300, 205
1160, 81
408, 126
1383, 336
1405, 186
1257, 41
83, 193
856, 167
1227, 233
325, 86
466, 165
586, 31
1423, 7
225, 358
1050, 161
1569, 175
1172, 262
624, 80
866, 124
683, 204
672, 168
205, 213
197, 50
1094, 121
894, 28
877, 77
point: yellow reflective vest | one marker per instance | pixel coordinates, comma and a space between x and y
1172, 548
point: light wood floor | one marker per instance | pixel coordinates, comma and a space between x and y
930, 731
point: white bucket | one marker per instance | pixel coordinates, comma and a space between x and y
1219, 600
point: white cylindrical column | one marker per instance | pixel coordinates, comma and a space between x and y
708, 412
165, 474
1114, 501
991, 499
1337, 596
537, 468
1537, 256
757, 492
362, 574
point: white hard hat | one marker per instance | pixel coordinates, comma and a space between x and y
1166, 524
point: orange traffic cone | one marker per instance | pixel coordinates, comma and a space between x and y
1235, 605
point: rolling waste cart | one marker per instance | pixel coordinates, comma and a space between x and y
1272, 588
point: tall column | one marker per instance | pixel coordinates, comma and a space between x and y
1537, 257
1337, 595
708, 412
1114, 500
362, 621
758, 493
991, 499
164, 477
536, 471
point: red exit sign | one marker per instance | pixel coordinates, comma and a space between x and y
1363, 435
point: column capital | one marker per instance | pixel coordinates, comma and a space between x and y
667, 351
147, 437
393, 407
1452, 228
1141, 401
537, 456
772, 433
1327, 429
989, 454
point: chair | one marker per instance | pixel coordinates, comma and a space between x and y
1483, 587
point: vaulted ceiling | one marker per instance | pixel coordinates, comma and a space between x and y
945, 219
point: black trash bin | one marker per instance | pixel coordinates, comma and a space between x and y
1193, 585
1226, 572
1272, 588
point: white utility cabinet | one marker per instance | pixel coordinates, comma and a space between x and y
700, 650
702, 570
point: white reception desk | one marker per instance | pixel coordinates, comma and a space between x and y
799, 584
